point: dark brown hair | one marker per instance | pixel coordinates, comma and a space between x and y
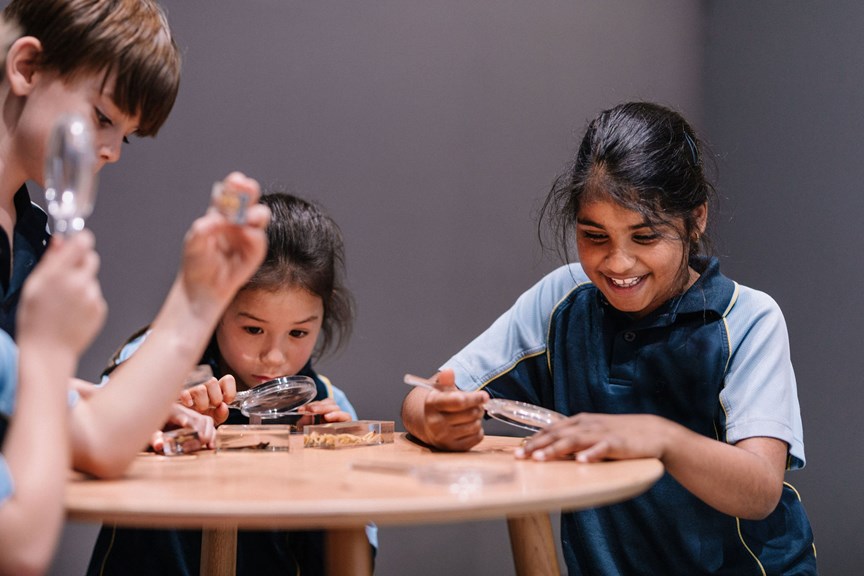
129, 38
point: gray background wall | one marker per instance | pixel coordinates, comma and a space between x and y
431, 132
783, 95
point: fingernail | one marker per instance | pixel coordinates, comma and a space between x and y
539, 455
519, 453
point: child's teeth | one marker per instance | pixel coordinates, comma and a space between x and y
627, 282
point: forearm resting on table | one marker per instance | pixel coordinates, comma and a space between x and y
117, 420
744, 480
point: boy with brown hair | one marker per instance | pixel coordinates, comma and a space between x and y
115, 62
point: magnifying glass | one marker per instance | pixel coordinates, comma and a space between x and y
513, 412
275, 398
70, 174
521, 414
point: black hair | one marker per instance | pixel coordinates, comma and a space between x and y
646, 158
305, 249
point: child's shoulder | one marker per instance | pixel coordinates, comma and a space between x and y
553, 288
754, 299
753, 311
565, 278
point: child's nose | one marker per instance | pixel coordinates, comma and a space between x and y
619, 260
274, 356
109, 150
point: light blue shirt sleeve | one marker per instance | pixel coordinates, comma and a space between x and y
8, 385
7, 486
342, 401
126, 352
761, 395
340, 397
9, 377
8, 374
520, 332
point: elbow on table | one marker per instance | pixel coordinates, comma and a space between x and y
102, 450
104, 465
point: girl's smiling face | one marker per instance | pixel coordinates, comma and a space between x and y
267, 334
637, 267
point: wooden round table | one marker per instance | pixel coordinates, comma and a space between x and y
342, 490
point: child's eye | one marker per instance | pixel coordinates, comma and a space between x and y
645, 238
106, 122
298, 333
596, 237
254, 330
103, 120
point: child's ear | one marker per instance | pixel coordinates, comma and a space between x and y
700, 215
22, 63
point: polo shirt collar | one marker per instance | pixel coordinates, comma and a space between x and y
709, 295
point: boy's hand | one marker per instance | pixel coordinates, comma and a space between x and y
182, 417
219, 256
62, 304
211, 398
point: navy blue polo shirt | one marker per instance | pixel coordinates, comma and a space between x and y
18, 258
715, 359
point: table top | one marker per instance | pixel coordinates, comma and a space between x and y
318, 488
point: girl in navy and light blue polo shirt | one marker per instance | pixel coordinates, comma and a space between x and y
293, 309
653, 353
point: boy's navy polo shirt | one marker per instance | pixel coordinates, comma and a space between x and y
714, 359
30, 240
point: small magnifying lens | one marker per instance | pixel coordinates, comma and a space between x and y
521, 414
513, 412
275, 398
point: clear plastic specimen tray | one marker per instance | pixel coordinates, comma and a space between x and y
180, 441
253, 437
338, 435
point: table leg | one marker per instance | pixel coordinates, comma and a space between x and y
533, 545
219, 551
348, 552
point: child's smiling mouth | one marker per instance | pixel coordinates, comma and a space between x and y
625, 282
